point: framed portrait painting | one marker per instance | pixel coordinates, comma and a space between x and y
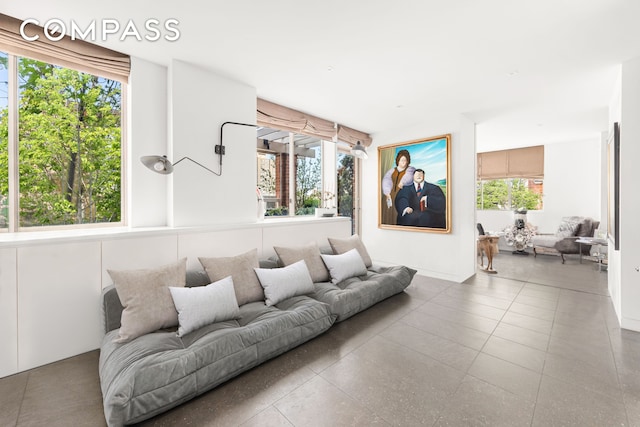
414, 180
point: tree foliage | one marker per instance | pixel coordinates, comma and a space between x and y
69, 146
267, 174
345, 185
506, 194
308, 182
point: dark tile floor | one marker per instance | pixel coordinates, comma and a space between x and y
537, 344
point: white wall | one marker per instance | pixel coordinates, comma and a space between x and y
629, 255
329, 169
147, 123
8, 312
178, 112
613, 270
200, 102
572, 186
448, 256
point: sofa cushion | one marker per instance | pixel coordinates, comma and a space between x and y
545, 240
286, 282
568, 226
161, 370
344, 266
202, 305
145, 297
354, 295
240, 268
341, 246
310, 253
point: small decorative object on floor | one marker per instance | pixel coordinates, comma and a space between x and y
487, 245
520, 233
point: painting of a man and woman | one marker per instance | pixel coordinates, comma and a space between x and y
414, 185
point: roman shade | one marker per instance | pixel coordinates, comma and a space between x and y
525, 162
277, 116
76, 54
352, 136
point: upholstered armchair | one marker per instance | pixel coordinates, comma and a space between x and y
563, 242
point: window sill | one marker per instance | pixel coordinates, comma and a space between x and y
28, 238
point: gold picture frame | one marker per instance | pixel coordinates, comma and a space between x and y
404, 204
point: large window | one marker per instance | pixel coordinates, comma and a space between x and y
4, 152
274, 172
308, 180
308, 155
60, 132
346, 187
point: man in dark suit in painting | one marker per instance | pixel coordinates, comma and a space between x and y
421, 204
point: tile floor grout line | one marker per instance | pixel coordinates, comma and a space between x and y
544, 362
24, 393
364, 405
615, 364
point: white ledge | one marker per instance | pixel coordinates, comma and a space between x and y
27, 238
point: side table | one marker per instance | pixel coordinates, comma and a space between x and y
593, 241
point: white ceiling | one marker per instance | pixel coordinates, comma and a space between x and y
527, 73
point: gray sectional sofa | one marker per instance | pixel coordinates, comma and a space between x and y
160, 370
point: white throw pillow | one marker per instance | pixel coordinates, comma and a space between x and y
286, 282
203, 305
344, 266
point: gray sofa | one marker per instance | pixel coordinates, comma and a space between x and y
564, 241
158, 371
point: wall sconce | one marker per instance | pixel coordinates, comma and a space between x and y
163, 166
359, 151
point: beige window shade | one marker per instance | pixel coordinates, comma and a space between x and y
517, 163
284, 118
352, 136
76, 54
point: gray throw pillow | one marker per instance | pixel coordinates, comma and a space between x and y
310, 253
568, 227
240, 268
341, 246
203, 305
146, 298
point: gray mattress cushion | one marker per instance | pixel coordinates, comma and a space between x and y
158, 371
356, 294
